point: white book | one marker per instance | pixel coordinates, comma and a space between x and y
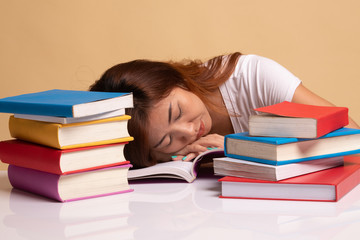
67, 120
227, 166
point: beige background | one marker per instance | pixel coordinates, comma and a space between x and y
67, 44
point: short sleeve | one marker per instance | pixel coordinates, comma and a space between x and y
271, 82
256, 82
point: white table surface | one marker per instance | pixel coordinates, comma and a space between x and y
175, 210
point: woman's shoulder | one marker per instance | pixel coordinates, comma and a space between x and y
252, 63
254, 59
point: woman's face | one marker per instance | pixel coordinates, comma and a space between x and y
176, 121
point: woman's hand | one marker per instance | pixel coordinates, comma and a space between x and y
201, 145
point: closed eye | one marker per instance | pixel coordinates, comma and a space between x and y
180, 113
170, 114
178, 117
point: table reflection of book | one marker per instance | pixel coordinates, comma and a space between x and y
165, 211
179, 211
283, 219
279, 227
291, 208
35, 217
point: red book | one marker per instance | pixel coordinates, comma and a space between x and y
326, 185
288, 119
29, 155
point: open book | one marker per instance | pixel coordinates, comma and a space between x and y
176, 169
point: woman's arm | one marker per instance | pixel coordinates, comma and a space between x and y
301, 95
305, 96
209, 141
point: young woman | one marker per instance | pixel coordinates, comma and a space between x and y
183, 108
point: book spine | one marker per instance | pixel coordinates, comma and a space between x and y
348, 184
333, 122
23, 154
47, 134
35, 131
36, 109
34, 181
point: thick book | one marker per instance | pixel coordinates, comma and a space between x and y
187, 171
66, 103
71, 187
288, 119
327, 185
226, 166
74, 135
67, 120
34, 156
280, 150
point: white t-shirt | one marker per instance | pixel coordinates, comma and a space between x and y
256, 82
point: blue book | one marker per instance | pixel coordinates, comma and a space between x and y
280, 151
66, 103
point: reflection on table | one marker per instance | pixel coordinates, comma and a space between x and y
173, 209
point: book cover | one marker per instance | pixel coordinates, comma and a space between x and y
226, 166
187, 171
74, 135
34, 156
71, 187
280, 150
66, 103
327, 185
288, 119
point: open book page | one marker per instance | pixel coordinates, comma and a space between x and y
175, 169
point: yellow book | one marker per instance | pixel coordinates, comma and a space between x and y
74, 135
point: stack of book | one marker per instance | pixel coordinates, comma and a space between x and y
293, 152
68, 145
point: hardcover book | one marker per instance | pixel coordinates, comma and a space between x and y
288, 119
38, 157
66, 103
71, 187
74, 135
67, 120
226, 166
326, 185
187, 171
279, 150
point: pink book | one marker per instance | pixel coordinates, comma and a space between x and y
71, 187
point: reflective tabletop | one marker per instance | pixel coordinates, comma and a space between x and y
174, 209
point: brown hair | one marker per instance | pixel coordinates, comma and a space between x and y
151, 81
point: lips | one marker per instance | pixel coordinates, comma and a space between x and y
201, 130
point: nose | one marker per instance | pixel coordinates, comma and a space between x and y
185, 131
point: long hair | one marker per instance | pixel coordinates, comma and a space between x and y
150, 82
